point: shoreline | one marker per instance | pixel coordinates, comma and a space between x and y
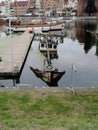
29, 87
56, 19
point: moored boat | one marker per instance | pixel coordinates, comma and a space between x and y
50, 77
50, 28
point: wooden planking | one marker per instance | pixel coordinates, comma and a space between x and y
18, 49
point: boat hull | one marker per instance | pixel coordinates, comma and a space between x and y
50, 77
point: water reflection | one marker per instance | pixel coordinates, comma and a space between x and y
86, 35
53, 55
87, 42
71, 33
49, 50
96, 47
71, 48
51, 77
90, 8
49, 74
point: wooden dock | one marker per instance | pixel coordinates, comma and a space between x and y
15, 55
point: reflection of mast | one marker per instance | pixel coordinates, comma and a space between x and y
48, 56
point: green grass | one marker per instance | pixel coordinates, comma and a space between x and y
51, 109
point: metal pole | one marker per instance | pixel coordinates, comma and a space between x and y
10, 37
72, 77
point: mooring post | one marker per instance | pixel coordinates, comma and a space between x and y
73, 71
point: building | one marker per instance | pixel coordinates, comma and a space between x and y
52, 6
35, 7
20, 7
47, 7
2, 8
7, 7
71, 7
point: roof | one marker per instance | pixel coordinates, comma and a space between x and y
21, 3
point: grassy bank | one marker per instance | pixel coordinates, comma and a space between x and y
48, 109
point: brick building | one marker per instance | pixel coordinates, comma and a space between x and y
20, 7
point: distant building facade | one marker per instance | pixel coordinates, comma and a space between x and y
47, 7
2, 8
20, 7
6, 7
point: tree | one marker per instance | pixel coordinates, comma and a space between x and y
90, 8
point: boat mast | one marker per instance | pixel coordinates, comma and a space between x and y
38, 6
11, 46
47, 61
16, 8
48, 54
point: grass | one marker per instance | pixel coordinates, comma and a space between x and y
51, 109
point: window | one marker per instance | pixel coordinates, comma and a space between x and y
49, 45
42, 45
55, 46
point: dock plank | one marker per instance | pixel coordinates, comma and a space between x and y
16, 53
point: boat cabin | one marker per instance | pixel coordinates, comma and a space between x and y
47, 47
52, 54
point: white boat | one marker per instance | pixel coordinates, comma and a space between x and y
15, 30
61, 33
58, 27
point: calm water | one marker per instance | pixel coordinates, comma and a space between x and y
78, 47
